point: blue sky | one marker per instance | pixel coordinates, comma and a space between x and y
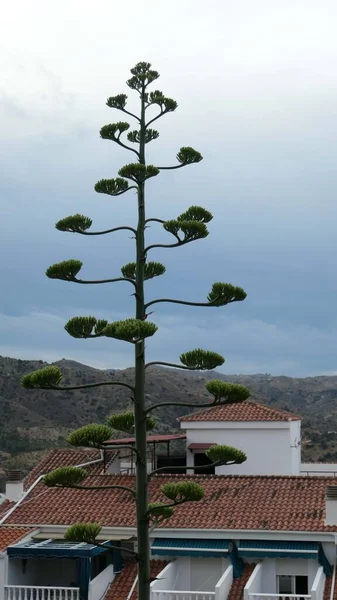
256, 86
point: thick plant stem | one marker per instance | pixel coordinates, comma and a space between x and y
140, 413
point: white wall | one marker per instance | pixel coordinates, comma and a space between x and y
298, 566
16, 576
295, 435
183, 573
254, 583
206, 572
99, 584
167, 578
14, 490
319, 469
2, 575
268, 576
317, 589
224, 584
330, 552
267, 445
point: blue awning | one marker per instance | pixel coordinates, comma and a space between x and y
186, 547
266, 549
54, 549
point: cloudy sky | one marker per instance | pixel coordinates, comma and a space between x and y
256, 85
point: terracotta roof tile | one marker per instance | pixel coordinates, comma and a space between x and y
11, 535
123, 582
5, 506
237, 587
242, 411
277, 503
327, 588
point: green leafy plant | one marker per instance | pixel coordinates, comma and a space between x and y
189, 226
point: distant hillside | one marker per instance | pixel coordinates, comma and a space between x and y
33, 421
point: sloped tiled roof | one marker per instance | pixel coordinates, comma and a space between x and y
122, 584
327, 589
278, 503
5, 506
236, 591
61, 458
11, 535
242, 411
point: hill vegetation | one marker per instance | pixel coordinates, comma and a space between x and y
33, 421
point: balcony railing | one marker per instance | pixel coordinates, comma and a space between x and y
181, 595
257, 596
27, 592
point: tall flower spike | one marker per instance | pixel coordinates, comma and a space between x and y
222, 455
196, 213
224, 293
114, 130
130, 330
138, 172
203, 360
112, 187
151, 269
90, 436
86, 533
64, 477
66, 270
74, 224
126, 422
46, 378
227, 393
185, 491
188, 156
118, 101
85, 327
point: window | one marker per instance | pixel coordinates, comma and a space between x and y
292, 584
285, 584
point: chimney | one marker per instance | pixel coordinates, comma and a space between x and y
331, 505
14, 485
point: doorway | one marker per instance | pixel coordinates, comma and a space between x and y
201, 460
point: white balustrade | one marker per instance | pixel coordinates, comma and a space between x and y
27, 592
259, 596
181, 595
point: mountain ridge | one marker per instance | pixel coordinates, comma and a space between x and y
33, 421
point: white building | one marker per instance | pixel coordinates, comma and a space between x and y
271, 438
261, 532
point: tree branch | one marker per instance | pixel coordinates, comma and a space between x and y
119, 447
173, 365
103, 487
186, 303
117, 140
132, 187
175, 167
129, 113
188, 405
181, 468
180, 243
107, 231
94, 282
154, 119
155, 220
91, 385
183, 501
172, 301
112, 547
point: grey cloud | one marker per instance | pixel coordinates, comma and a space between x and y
249, 346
